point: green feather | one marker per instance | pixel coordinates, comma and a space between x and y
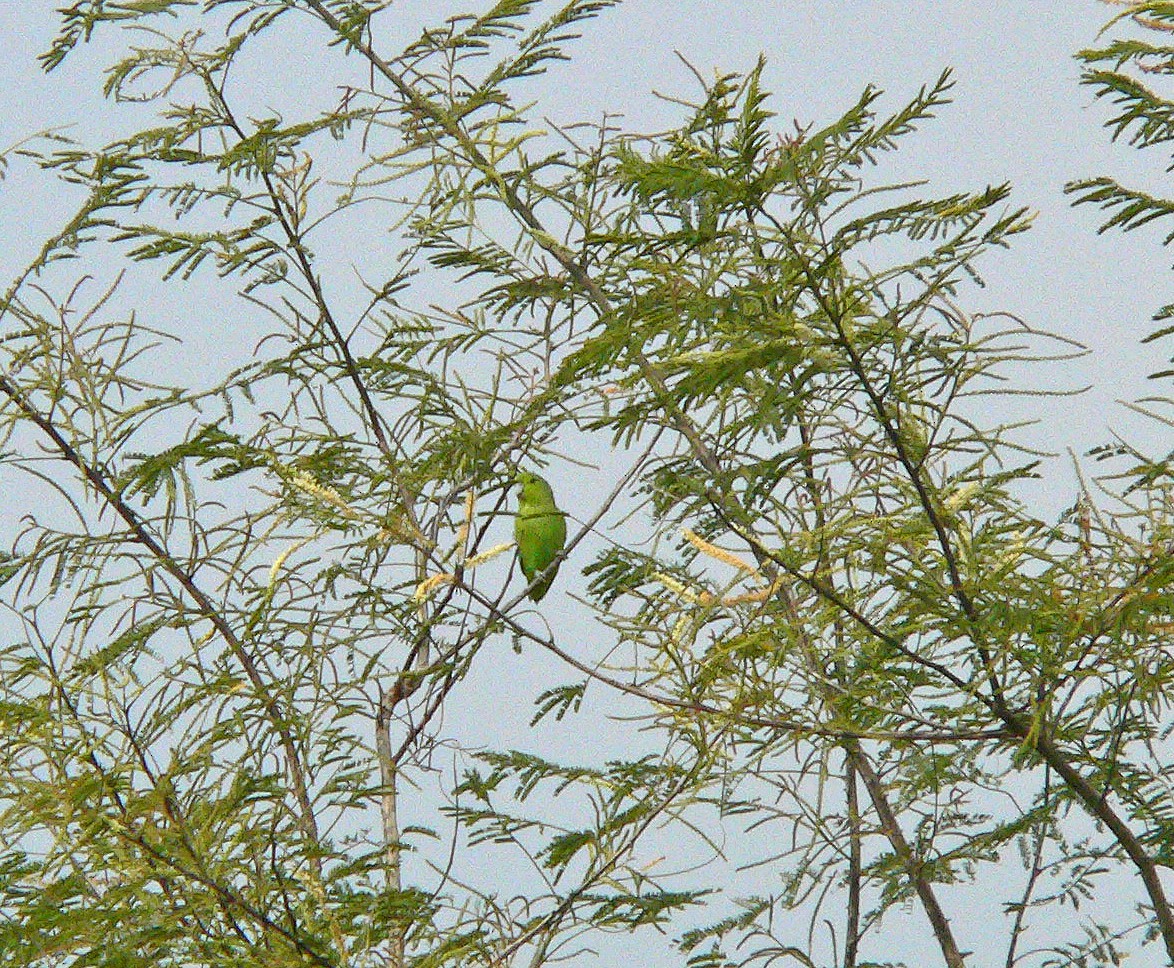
540, 529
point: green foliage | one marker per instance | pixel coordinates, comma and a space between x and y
1119, 73
258, 598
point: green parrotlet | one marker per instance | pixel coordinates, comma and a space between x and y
541, 530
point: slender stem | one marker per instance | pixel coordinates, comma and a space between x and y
389, 813
1097, 804
855, 865
1032, 877
939, 923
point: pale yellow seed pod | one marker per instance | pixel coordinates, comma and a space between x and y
463, 531
306, 483
429, 585
756, 596
683, 591
493, 552
718, 554
281, 559
961, 497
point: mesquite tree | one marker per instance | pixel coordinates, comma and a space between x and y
266, 393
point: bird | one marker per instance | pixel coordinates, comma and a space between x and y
540, 529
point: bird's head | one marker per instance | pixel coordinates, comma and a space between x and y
534, 488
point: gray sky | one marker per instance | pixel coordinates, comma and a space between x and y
1019, 115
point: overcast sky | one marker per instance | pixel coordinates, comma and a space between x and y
1019, 115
